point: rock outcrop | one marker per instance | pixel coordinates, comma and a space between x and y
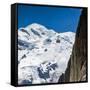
77, 66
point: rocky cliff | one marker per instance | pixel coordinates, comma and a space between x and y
77, 65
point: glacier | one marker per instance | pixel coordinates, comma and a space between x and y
43, 54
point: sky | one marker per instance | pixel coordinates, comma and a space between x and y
61, 19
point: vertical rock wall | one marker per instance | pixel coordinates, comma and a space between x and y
77, 65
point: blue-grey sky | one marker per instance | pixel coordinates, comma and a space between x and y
61, 19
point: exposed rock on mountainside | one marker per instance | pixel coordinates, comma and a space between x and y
43, 54
77, 65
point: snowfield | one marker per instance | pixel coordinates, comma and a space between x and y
43, 54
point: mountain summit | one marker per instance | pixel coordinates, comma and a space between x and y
43, 54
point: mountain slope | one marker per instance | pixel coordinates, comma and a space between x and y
43, 54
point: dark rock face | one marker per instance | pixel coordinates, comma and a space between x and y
45, 74
77, 65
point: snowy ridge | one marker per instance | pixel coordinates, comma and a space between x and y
43, 54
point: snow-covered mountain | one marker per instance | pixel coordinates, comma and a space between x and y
43, 54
